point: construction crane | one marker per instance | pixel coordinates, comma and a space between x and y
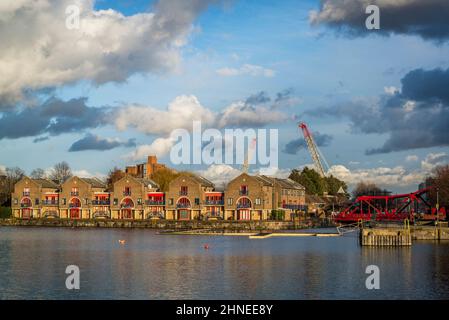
315, 153
249, 155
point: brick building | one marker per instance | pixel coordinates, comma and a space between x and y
145, 170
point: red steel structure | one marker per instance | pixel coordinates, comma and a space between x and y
390, 208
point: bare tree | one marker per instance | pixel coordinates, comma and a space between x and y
61, 172
367, 189
38, 173
7, 186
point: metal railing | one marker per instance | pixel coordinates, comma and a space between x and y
244, 192
26, 194
154, 203
74, 193
214, 202
183, 205
183, 193
101, 202
127, 193
26, 205
243, 205
50, 203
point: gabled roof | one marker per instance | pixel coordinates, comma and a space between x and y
94, 182
45, 183
148, 182
198, 179
289, 184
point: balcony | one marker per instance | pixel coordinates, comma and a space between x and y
243, 205
74, 205
154, 203
183, 192
50, 202
74, 193
127, 193
100, 202
244, 192
183, 205
295, 207
214, 202
25, 205
26, 194
126, 206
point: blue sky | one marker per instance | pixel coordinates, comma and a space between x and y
322, 67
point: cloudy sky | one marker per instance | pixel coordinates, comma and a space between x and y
110, 92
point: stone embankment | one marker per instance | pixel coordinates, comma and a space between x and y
234, 226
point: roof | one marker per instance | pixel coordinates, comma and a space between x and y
45, 183
147, 182
199, 179
289, 184
94, 182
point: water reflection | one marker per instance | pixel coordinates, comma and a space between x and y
151, 266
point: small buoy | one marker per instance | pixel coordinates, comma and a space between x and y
121, 241
206, 246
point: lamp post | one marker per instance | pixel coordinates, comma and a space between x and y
438, 206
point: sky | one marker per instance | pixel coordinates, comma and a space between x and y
111, 91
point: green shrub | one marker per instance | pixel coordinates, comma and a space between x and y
277, 215
5, 212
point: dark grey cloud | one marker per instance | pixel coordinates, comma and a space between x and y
425, 18
281, 99
417, 117
421, 85
40, 139
94, 142
294, 146
53, 117
259, 98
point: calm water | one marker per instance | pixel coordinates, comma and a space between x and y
151, 266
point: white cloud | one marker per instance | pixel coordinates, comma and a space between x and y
38, 51
382, 176
246, 69
411, 158
83, 173
220, 173
432, 160
391, 90
181, 113
239, 114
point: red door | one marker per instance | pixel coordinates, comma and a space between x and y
74, 213
126, 213
26, 213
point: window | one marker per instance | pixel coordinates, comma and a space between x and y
115, 201
36, 201
63, 201
139, 201
74, 192
197, 201
86, 201
26, 191
184, 190
229, 201
127, 191
16, 201
243, 190
257, 200
170, 201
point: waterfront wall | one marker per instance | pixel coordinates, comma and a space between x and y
234, 226
401, 236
